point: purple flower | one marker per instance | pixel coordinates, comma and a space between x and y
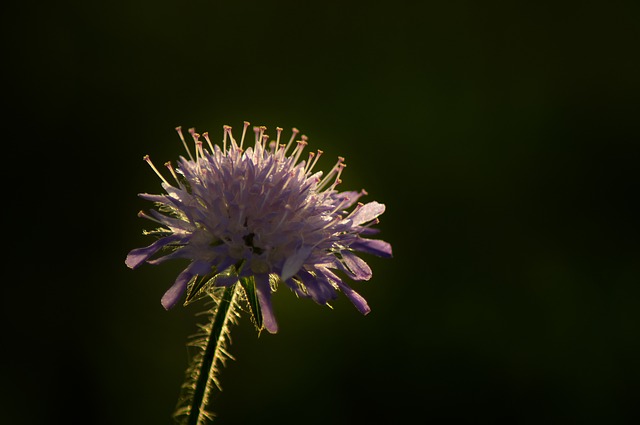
261, 212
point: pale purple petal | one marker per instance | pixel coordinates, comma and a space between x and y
357, 300
367, 212
172, 222
139, 255
294, 262
355, 266
173, 294
368, 231
263, 289
372, 246
320, 291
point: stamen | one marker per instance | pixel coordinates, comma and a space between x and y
200, 151
153, 167
337, 217
372, 223
244, 131
306, 168
227, 130
315, 160
206, 137
196, 139
262, 139
171, 170
142, 214
256, 130
298, 150
277, 146
293, 136
179, 130
336, 182
329, 176
233, 141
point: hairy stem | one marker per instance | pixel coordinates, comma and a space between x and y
212, 351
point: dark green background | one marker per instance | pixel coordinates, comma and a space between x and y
501, 136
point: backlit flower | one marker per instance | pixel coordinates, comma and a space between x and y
261, 211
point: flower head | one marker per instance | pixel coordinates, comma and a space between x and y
261, 212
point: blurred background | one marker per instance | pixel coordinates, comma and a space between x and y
502, 137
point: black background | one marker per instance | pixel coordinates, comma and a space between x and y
503, 138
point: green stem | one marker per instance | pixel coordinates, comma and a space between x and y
208, 357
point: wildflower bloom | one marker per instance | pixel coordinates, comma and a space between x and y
261, 212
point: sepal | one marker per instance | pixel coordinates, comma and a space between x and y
249, 286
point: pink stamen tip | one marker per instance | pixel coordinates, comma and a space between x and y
304, 138
146, 158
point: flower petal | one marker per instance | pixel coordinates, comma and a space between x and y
264, 296
367, 213
139, 255
172, 222
355, 266
294, 262
319, 289
173, 294
372, 246
358, 301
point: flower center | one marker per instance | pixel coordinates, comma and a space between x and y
248, 241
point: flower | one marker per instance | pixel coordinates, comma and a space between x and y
261, 212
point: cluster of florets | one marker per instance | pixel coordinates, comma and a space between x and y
261, 212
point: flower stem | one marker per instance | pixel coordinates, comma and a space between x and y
206, 371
